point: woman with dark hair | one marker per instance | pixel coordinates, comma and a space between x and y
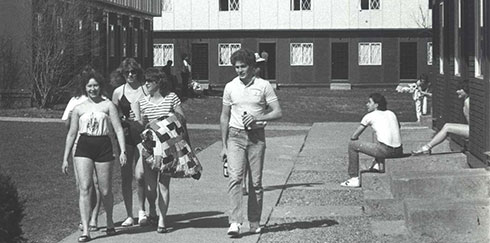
159, 102
130, 92
92, 120
463, 130
387, 129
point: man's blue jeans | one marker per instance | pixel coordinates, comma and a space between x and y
378, 150
246, 149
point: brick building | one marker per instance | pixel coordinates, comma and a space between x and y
462, 51
115, 28
308, 43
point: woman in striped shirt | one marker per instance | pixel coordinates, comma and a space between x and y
160, 102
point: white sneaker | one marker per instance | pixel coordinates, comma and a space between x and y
255, 228
234, 229
352, 182
128, 222
142, 218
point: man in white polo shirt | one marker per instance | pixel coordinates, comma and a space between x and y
388, 144
243, 118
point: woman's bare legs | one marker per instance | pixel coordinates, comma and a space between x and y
163, 199
151, 180
85, 170
104, 173
140, 183
450, 128
98, 200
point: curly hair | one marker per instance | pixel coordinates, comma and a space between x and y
85, 76
244, 55
154, 74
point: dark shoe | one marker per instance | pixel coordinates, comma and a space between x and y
110, 231
426, 149
93, 228
162, 230
84, 238
376, 168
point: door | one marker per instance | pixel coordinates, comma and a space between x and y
408, 60
268, 51
200, 69
340, 61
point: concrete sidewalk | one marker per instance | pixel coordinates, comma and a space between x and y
197, 211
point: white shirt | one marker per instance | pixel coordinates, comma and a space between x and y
385, 125
252, 98
74, 101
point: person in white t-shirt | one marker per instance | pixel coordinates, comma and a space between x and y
387, 130
248, 103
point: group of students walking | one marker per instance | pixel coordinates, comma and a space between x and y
249, 102
93, 119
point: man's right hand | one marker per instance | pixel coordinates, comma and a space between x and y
222, 154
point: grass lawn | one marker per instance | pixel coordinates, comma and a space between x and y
32, 152
299, 105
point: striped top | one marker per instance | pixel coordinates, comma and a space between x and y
150, 111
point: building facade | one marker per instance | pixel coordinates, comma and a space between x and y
462, 51
108, 32
306, 42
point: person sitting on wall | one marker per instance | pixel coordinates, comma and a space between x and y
463, 130
387, 129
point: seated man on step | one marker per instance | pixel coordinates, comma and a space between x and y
387, 129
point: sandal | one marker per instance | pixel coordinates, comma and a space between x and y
426, 149
110, 231
84, 238
93, 228
162, 230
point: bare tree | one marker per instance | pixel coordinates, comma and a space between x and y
422, 17
60, 43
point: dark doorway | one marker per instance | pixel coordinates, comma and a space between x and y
269, 50
408, 60
340, 61
200, 69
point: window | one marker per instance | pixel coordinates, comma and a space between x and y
370, 4
225, 50
430, 4
429, 53
441, 38
457, 39
145, 43
298, 5
112, 41
124, 41
370, 53
162, 53
96, 39
136, 42
479, 38
301, 54
59, 24
229, 5
167, 6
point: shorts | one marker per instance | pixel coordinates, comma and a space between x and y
96, 148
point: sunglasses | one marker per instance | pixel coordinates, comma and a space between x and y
130, 72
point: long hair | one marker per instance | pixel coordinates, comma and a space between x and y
130, 64
380, 100
156, 75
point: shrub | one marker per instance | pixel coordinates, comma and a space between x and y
11, 211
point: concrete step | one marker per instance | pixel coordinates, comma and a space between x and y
464, 220
412, 145
446, 162
465, 183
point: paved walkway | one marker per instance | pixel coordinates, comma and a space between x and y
197, 208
